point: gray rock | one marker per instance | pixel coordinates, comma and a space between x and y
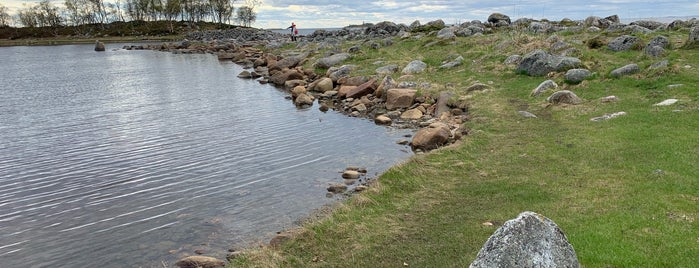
437, 24
655, 51
513, 59
649, 24
335, 73
331, 61
607, 116
693, 41
442, 104
530, 240
446, 33
626, 70
499, 19
576, 76
544, 86
540, 63
659, 65
414, 67
453, 63
624, 43
388, 69
526, 114
661, 41
564, 96
635, 29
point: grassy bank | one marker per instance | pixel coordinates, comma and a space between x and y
625, 191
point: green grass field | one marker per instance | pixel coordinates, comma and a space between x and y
625, 190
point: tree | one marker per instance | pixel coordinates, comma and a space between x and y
48, 14
4, 16
222, 9
246, 16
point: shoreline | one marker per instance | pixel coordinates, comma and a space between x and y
246, 54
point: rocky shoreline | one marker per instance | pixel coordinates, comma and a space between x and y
438, 117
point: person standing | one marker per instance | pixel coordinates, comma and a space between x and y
294, 31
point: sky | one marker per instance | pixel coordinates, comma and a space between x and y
340, 13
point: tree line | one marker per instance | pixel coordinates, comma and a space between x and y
85, 12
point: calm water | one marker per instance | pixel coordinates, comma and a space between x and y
130, 158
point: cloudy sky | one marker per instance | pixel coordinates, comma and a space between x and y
324, 14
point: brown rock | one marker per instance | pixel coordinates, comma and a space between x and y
200, 262
412, 114
342, 93
280, 78
383, 120
432, 137
363, 89
298, 90
337, 188
400, 98
324, 85
350, 174
303, 100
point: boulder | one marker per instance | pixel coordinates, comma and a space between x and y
324, 85
200, 262
350, 174
245, 74
280, 78
693, 41
499, 19
564, 96
540, 63
446, 33
99, 46
624, 43
453, 63
442, 104
649, 24
654, 51
660, 41
363, 89
397, 98
331, 61
298, 90
383, 120
432, 137
335, 73
386, 84
414, 67
513, 60
626, 70
412, 114
576, 76
388, 69
285, 63
544, 86
304, 99
530, 240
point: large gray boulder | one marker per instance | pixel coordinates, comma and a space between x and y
540, 63
649, 24
499, 19
693, 41
528, 241
624, 43
331, 61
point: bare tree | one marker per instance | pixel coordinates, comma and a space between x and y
246, 16
4, 16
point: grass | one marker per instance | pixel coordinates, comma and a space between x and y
625, 191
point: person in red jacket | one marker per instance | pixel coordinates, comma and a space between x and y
294, 31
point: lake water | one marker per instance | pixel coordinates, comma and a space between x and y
129, 158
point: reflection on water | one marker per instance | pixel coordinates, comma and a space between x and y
127, 158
